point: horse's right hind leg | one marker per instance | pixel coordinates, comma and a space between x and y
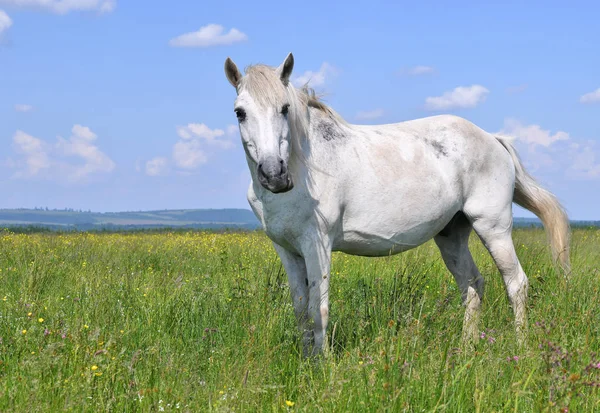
453, 242
495, 232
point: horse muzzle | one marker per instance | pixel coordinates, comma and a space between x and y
274, 176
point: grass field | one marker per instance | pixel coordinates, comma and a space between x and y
203, 322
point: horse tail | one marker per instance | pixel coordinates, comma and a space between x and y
533, 197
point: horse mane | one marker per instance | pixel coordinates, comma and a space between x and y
314, 101
265, 87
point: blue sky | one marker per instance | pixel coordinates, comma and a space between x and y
111, 105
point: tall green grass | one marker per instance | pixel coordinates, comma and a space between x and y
203, 322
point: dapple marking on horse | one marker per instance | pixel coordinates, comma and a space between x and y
320, 184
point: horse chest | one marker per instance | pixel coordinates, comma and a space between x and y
282, 228
283, 222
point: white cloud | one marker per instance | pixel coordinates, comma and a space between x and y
63, 6
23, 108
207, 36
592, 97
188, 154
157, 166
315, 79
418, 70
532, 134
196, 139
71, 159
460, 97
83, 132
370, 114
557, 152
34, 152
585, 161
197, 143
80, 145
5, 22
201, 131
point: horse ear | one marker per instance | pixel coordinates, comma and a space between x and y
232, 73
285, 70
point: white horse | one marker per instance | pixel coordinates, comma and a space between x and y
320, 184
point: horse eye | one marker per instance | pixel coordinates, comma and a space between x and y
284, 109
240, 113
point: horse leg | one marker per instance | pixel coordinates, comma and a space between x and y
495, 229
318, 264
453, 242
296, 272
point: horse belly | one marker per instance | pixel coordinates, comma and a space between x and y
377, 242
394, 226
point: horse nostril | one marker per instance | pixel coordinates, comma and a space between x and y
261, 172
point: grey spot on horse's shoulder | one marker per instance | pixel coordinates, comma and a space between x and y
438, 147
378, 132
329, 130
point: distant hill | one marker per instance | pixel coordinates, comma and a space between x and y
519, 222
84, 221
241, 219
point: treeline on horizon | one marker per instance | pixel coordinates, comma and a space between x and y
90, 220
40, 229
214, 228
23, 220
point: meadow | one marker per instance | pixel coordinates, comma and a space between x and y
201, 321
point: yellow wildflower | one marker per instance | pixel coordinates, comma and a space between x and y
94, 367
290, 403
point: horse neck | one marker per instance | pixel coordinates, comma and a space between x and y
315, 151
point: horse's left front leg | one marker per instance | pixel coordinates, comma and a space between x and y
318, 263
